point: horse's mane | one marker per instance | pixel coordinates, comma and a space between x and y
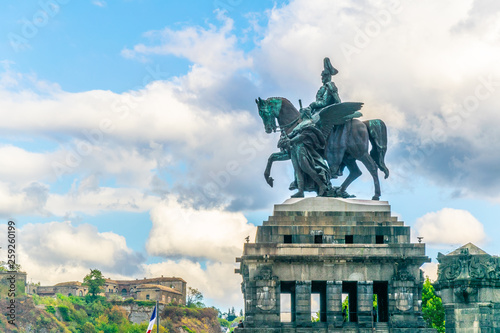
284, 101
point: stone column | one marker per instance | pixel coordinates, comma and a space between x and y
334, 303
303, 303
250, 296
365, 303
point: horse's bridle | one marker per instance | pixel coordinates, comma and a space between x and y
269, 113
285, 127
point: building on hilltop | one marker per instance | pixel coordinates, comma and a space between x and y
163, 289
158, 292
72, 288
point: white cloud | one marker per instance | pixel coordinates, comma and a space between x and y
134, 137
101, 199
182, 231
59, 251
214, 48
430, 270
450, 227
23, 199
20, 166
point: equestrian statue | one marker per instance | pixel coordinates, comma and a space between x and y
324, 138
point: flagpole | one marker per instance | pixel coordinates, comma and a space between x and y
157, 318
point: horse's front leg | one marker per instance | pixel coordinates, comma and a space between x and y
281, 156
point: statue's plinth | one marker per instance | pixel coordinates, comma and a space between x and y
333, 248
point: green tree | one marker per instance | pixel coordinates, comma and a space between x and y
94, 281
345, 309
88, 328
224, 322
194, 298
432, 307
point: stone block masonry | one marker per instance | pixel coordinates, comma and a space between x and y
318, 253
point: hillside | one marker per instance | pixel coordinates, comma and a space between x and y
84, 315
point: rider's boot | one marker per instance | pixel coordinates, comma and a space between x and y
300, 188
299, 194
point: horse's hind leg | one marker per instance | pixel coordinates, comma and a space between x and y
372, 168
354, 172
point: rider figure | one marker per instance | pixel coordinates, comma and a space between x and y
328, 94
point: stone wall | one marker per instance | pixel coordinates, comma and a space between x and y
469, 286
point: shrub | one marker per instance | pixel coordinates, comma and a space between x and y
187, 329
129, 300
146, 303
65, 313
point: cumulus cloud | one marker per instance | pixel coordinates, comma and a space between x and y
170, 131
450, 227
214, 48
182, 231
101, 199
430, 270
28, 199
60, 251
199, 245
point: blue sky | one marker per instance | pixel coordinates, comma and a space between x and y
122, 122
82, 34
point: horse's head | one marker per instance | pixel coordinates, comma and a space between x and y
268, 111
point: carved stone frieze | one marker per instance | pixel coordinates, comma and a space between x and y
467, 266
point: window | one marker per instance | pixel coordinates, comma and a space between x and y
287, 239
318, 301
318, 239
381, 310
81, 293
349, 239
147, 297
286, 307
350, 288
124, 292
287, 301
379, 239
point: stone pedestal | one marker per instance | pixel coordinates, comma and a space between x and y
333, 248
469, 286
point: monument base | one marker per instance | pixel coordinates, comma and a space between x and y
332, 265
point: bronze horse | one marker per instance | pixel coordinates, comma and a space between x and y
362, 132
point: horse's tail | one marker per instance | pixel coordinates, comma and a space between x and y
377, 132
